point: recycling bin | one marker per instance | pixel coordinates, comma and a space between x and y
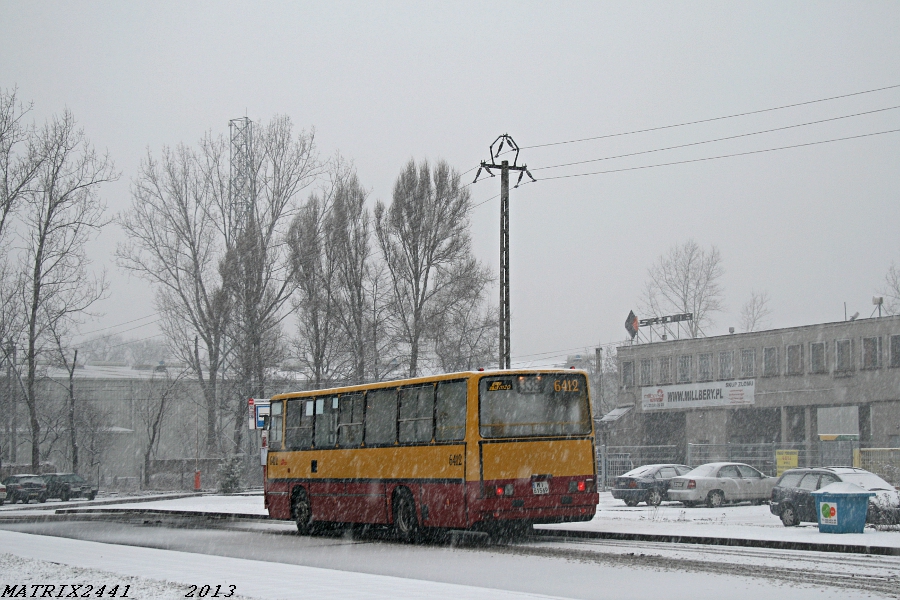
841, 508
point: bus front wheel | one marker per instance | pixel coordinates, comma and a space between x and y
406, 523
301, 511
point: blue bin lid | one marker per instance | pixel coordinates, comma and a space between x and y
843, 488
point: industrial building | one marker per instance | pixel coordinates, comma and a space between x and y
792, 387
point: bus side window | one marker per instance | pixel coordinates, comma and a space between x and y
298, 432
275, 423
326, 421
381, 417
450, 411
350, 422
416, 414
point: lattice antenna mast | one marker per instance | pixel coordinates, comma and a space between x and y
505, 168
242, 182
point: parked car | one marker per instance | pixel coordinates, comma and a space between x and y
69, 485
793, 502
649, 483
25, 488
2, 494
721, 482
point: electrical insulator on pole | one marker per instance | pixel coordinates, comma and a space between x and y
504, 168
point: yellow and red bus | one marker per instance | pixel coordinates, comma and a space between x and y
462, 450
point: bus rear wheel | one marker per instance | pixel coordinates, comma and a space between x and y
406, 523
301, 511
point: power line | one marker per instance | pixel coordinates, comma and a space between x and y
743, 114
693, 160
138, 340
104, 337
682, 162
555, 353
119, 324
721, 139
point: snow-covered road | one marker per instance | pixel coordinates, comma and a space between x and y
268, 560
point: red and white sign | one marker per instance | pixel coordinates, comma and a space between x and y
698, 395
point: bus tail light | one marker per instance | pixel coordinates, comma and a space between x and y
579, 486
505, 490
691, 484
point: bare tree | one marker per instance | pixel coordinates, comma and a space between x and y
152, 411
423, 236
351, 236
93, 428
607, 375
755, 312
62, 213
175, 245
315, 267
466, 328
20, 158
686, 280
19, 162
891, 290
381, 346
63, 361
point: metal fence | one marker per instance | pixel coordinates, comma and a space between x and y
764, 456
883, 461
613, 461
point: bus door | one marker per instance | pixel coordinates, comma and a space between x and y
327, 487
443, 498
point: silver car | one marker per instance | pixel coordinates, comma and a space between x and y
718, 483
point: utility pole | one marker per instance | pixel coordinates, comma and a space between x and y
14, 395
505, 168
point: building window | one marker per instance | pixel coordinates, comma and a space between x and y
704, 367
684, 369
871, 353
843, 356
628, 374
726, 365
817, 358
646, 372
748, 362
770, 362
665, 369
795, 360
895, 350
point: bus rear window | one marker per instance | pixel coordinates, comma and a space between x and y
534, 405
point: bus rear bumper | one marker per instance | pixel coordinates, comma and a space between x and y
550, 509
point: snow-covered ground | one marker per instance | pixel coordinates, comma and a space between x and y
589, 569
741, 521
103, 499
151, 573
671, 518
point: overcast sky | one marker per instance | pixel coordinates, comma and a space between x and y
383, 82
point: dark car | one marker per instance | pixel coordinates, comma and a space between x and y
649, 483
793, 502
25, 488
69, 485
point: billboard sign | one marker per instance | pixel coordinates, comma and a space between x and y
698, 395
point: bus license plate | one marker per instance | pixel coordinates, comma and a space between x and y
540, 487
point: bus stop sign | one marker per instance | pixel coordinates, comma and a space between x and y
259, 411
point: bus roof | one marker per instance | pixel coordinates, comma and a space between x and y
419, 380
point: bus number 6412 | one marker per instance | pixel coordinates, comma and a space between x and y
565, 385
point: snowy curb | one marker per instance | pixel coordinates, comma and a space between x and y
720, 541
